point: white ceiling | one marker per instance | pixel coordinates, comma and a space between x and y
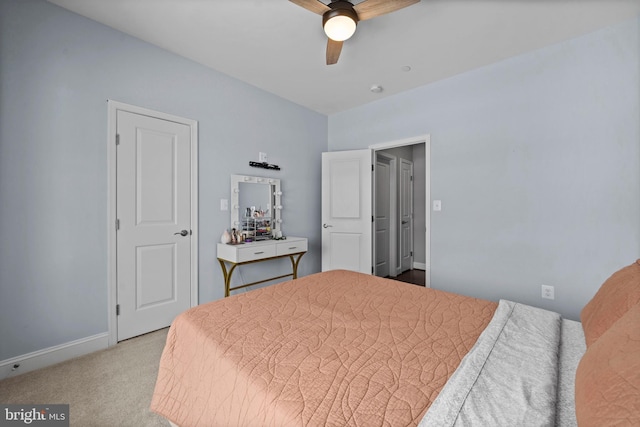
280, 47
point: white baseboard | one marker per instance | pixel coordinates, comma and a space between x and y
419, 266
52, 355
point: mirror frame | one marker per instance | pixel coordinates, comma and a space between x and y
275, 194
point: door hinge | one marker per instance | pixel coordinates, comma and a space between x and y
411, 253
117, 224
117, 309
372, 269
372, 220
117, 139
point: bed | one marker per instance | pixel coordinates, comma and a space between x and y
341, 348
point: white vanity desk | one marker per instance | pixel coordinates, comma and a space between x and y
265, 250
256, 211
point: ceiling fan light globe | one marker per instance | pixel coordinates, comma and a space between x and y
340, 27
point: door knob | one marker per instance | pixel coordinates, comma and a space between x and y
182, 233
326, 225
405, 222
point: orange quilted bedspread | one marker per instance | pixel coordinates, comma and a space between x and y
331, 349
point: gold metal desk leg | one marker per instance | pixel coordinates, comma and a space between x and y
294, 264
227, 276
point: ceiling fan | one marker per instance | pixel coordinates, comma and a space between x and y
340, 18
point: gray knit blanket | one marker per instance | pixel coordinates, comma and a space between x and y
510, 376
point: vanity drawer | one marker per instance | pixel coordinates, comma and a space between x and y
291, 247
253, 253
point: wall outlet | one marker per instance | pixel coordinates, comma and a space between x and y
548, 292
262, 157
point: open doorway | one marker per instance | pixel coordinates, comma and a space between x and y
401, 196
348, 233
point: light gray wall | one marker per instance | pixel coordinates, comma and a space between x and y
57, 71
537, 162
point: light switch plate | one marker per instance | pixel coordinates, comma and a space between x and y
224, 204
437, 205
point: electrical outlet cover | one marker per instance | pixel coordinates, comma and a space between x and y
548, 292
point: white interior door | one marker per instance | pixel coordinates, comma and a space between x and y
382, 223
154, 216
346, 210
406, 215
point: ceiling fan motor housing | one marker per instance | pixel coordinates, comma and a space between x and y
340, 8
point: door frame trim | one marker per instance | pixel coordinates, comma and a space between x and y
420, 139
399, 224
112, 298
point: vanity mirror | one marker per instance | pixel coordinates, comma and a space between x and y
255, 206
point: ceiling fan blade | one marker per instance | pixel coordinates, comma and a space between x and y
333, 51
371, 8
314, 6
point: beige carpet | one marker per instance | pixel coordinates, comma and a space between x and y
112, 387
